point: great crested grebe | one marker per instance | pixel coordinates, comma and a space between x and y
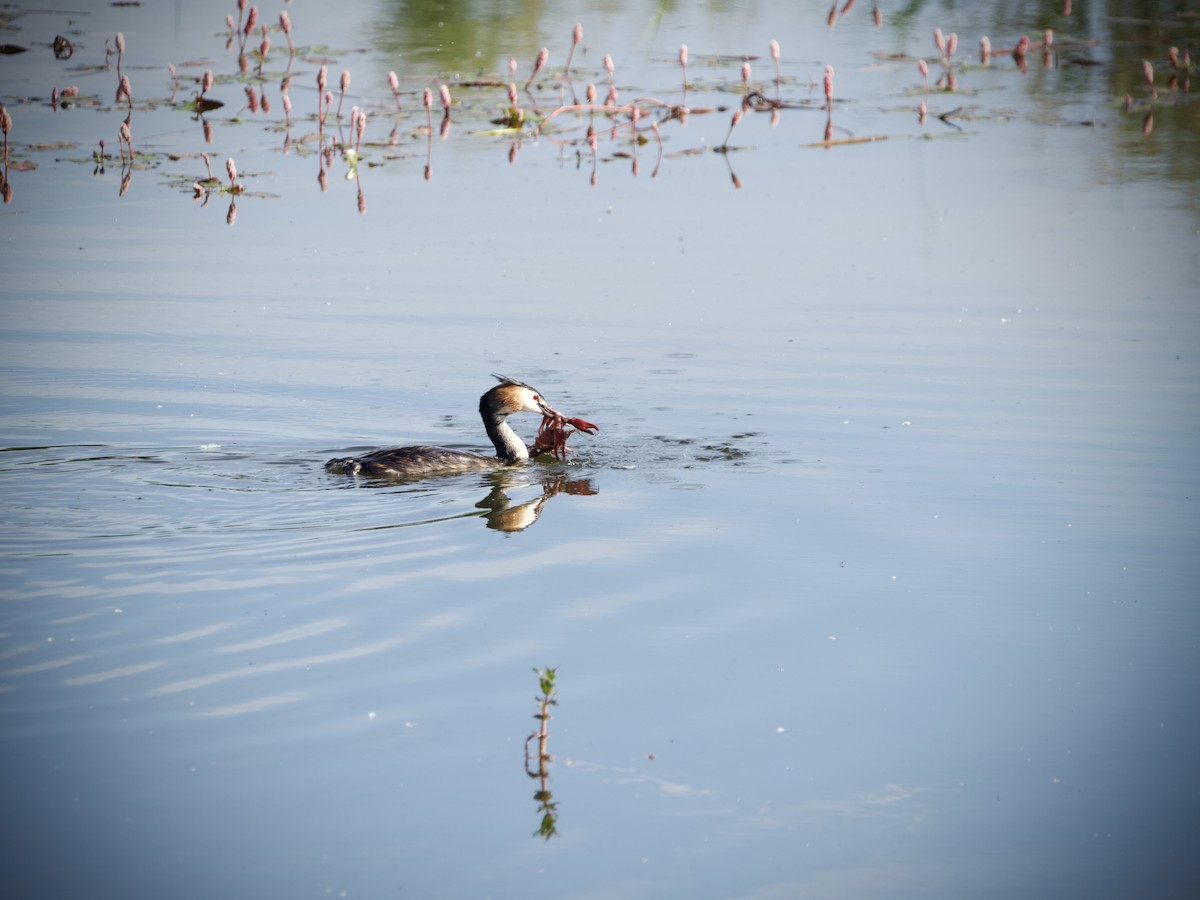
508, 397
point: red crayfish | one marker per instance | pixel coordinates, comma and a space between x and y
552, 434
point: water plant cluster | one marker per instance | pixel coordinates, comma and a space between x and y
585, 112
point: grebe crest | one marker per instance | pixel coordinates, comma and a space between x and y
508, 397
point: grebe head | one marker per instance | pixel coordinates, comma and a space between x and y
512, 396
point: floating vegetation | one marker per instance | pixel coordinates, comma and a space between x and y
574, 107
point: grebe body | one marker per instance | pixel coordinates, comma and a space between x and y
508, 397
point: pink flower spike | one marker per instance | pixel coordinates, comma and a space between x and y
939, 41
427, 97
542, 56
985, 49
1048, 38
345, 81
576, 37
322, 77
829, 85
206, 82
609, 67
746, 73
512, 68
775, 50
951, 44
231, 168
923, 68
1148, 73
394, 83
445, 91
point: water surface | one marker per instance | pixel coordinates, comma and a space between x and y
878, 579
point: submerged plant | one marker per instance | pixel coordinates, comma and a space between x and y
545, 701
548, 827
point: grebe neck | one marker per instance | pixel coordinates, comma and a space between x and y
508, 444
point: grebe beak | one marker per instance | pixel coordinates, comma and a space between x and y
546, 408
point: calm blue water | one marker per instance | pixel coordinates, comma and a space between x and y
878, 580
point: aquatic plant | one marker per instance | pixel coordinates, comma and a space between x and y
285, 22
6, 124
576, 39
547, 808
394, 84
322, 80
542, 57
545, 700
125, 136
345, 86
733, 123
582, 128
